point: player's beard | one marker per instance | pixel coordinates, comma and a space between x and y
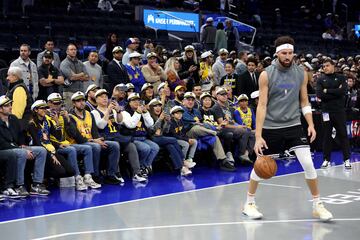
287, 63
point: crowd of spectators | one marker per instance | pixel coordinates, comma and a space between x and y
126, 104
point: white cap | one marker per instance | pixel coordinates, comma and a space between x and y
189, 95
314, 60
146, 86
205, 94
134, 55
38, 103
242, 97
130, 86
155, 101
306, 64
161, 85
151, 54
117, 49
254, 94
100, 92
121, 87
221, 90
209, 19
189, 48
223, 50
4, 100
176, 109
91, 87
206, 54
309, 55
133, 96
78, 95
267, 58
54, 97
346, 69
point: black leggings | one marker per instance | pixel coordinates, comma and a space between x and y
58, 171
338, 121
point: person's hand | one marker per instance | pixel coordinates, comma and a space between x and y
55, 160
191, 141
101, 142
192, 68
325, 90
54, 116
29, 155
65, 114
260, 144
110, 107
311, 133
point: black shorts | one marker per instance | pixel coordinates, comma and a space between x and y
279, 140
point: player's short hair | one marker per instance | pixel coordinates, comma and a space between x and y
328, 60
284, 40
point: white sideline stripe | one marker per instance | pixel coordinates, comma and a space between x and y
149, 198
190, 225
279, 185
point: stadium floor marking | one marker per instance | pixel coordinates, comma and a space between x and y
194, 225
279, 185
150, 198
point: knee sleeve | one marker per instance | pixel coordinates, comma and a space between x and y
304, 156
254, 176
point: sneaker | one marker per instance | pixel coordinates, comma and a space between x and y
230, 156
149, 170
143, 173
185, 171
112, 180
79, 184
139, 178
227, 166
325, 164
21, 190
251, 210
245, 158
319, 211
287, 154
88, 180
2, 197
38, 189
347, 164
119, 177
11, 193
189, 163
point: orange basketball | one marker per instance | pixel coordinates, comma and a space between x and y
265, 167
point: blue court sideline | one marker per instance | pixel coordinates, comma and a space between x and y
161, 183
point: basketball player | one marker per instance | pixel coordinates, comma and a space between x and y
283, 92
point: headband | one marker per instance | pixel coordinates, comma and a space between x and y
284, 46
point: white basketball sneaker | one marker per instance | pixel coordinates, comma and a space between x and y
319, 211
251, 210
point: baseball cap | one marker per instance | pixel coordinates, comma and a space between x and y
134, 55
146, 86
221, 91
91, 87
180, 87
4, 100
133, 96
223, 50
176, 109
205, 94
38, 104
121, 87
189, 95
151, 54
243, 97
117, 49
48, 54
100, 92
130, 86
77, 96
154, 102
130, 41
206, 54
54, 97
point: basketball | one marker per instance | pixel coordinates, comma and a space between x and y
265, 167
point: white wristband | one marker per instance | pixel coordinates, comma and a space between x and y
305, 110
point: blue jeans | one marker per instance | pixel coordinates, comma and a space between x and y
174, 149
73, 151
147, 150
113, 155
39, 163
